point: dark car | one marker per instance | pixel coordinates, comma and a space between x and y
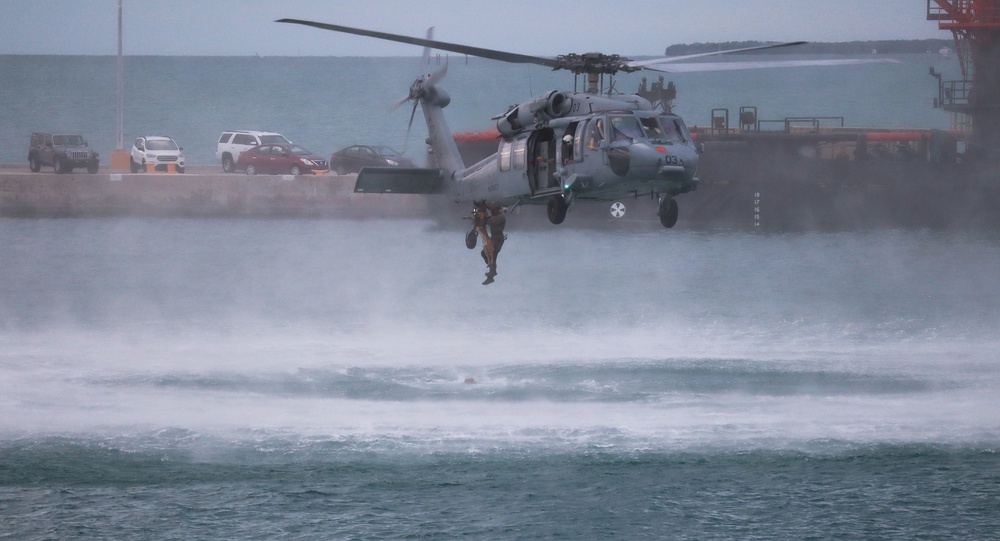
280, 160
353, 158
63, 152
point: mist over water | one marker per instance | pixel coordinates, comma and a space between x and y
629, 339
273, 379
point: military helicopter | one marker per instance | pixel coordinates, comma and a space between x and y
559, 147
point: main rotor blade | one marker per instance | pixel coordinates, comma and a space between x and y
667, 59
444, 46
694, 67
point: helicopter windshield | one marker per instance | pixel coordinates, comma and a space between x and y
625, 127
673, 129
663, 129
653, 128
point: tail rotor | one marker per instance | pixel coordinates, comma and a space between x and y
415, 89
423, 88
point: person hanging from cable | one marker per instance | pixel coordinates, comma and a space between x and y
496, 224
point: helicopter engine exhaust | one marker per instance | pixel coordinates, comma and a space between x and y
535, 111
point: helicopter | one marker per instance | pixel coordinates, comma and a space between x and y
560, 147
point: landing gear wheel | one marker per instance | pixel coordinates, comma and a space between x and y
470, 239
668, 212
557, 209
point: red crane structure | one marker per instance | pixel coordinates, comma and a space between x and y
975, 24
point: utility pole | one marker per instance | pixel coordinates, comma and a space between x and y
121, 84
119, 157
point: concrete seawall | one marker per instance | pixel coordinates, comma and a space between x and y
200, 192
739, 190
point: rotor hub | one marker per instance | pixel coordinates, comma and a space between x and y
594, 63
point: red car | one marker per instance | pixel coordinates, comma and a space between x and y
280, 160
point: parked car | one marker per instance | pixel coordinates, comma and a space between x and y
353, 158
62, 152
280, 160
157, 150
234, 142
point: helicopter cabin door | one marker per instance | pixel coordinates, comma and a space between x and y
542, 161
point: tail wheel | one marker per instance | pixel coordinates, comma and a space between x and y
557, 209
668, 212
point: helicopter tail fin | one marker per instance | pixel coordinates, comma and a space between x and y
433, 99
400, 180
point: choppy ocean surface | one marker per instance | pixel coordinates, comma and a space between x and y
307, 379
326, 103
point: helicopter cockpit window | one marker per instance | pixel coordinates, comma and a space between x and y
520, 150
673, 130
504, 156
595, 133
625, 127
653, 129
570, 145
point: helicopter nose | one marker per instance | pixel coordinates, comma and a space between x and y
650, 160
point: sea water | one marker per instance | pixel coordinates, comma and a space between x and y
326, 379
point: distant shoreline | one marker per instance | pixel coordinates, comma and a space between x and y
846, 47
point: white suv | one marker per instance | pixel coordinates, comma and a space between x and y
233, 142
157, 150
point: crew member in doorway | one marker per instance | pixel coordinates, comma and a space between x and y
496, 224
567, 149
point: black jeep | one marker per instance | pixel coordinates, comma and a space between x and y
62, 152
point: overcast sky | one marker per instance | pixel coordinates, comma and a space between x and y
537, 27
